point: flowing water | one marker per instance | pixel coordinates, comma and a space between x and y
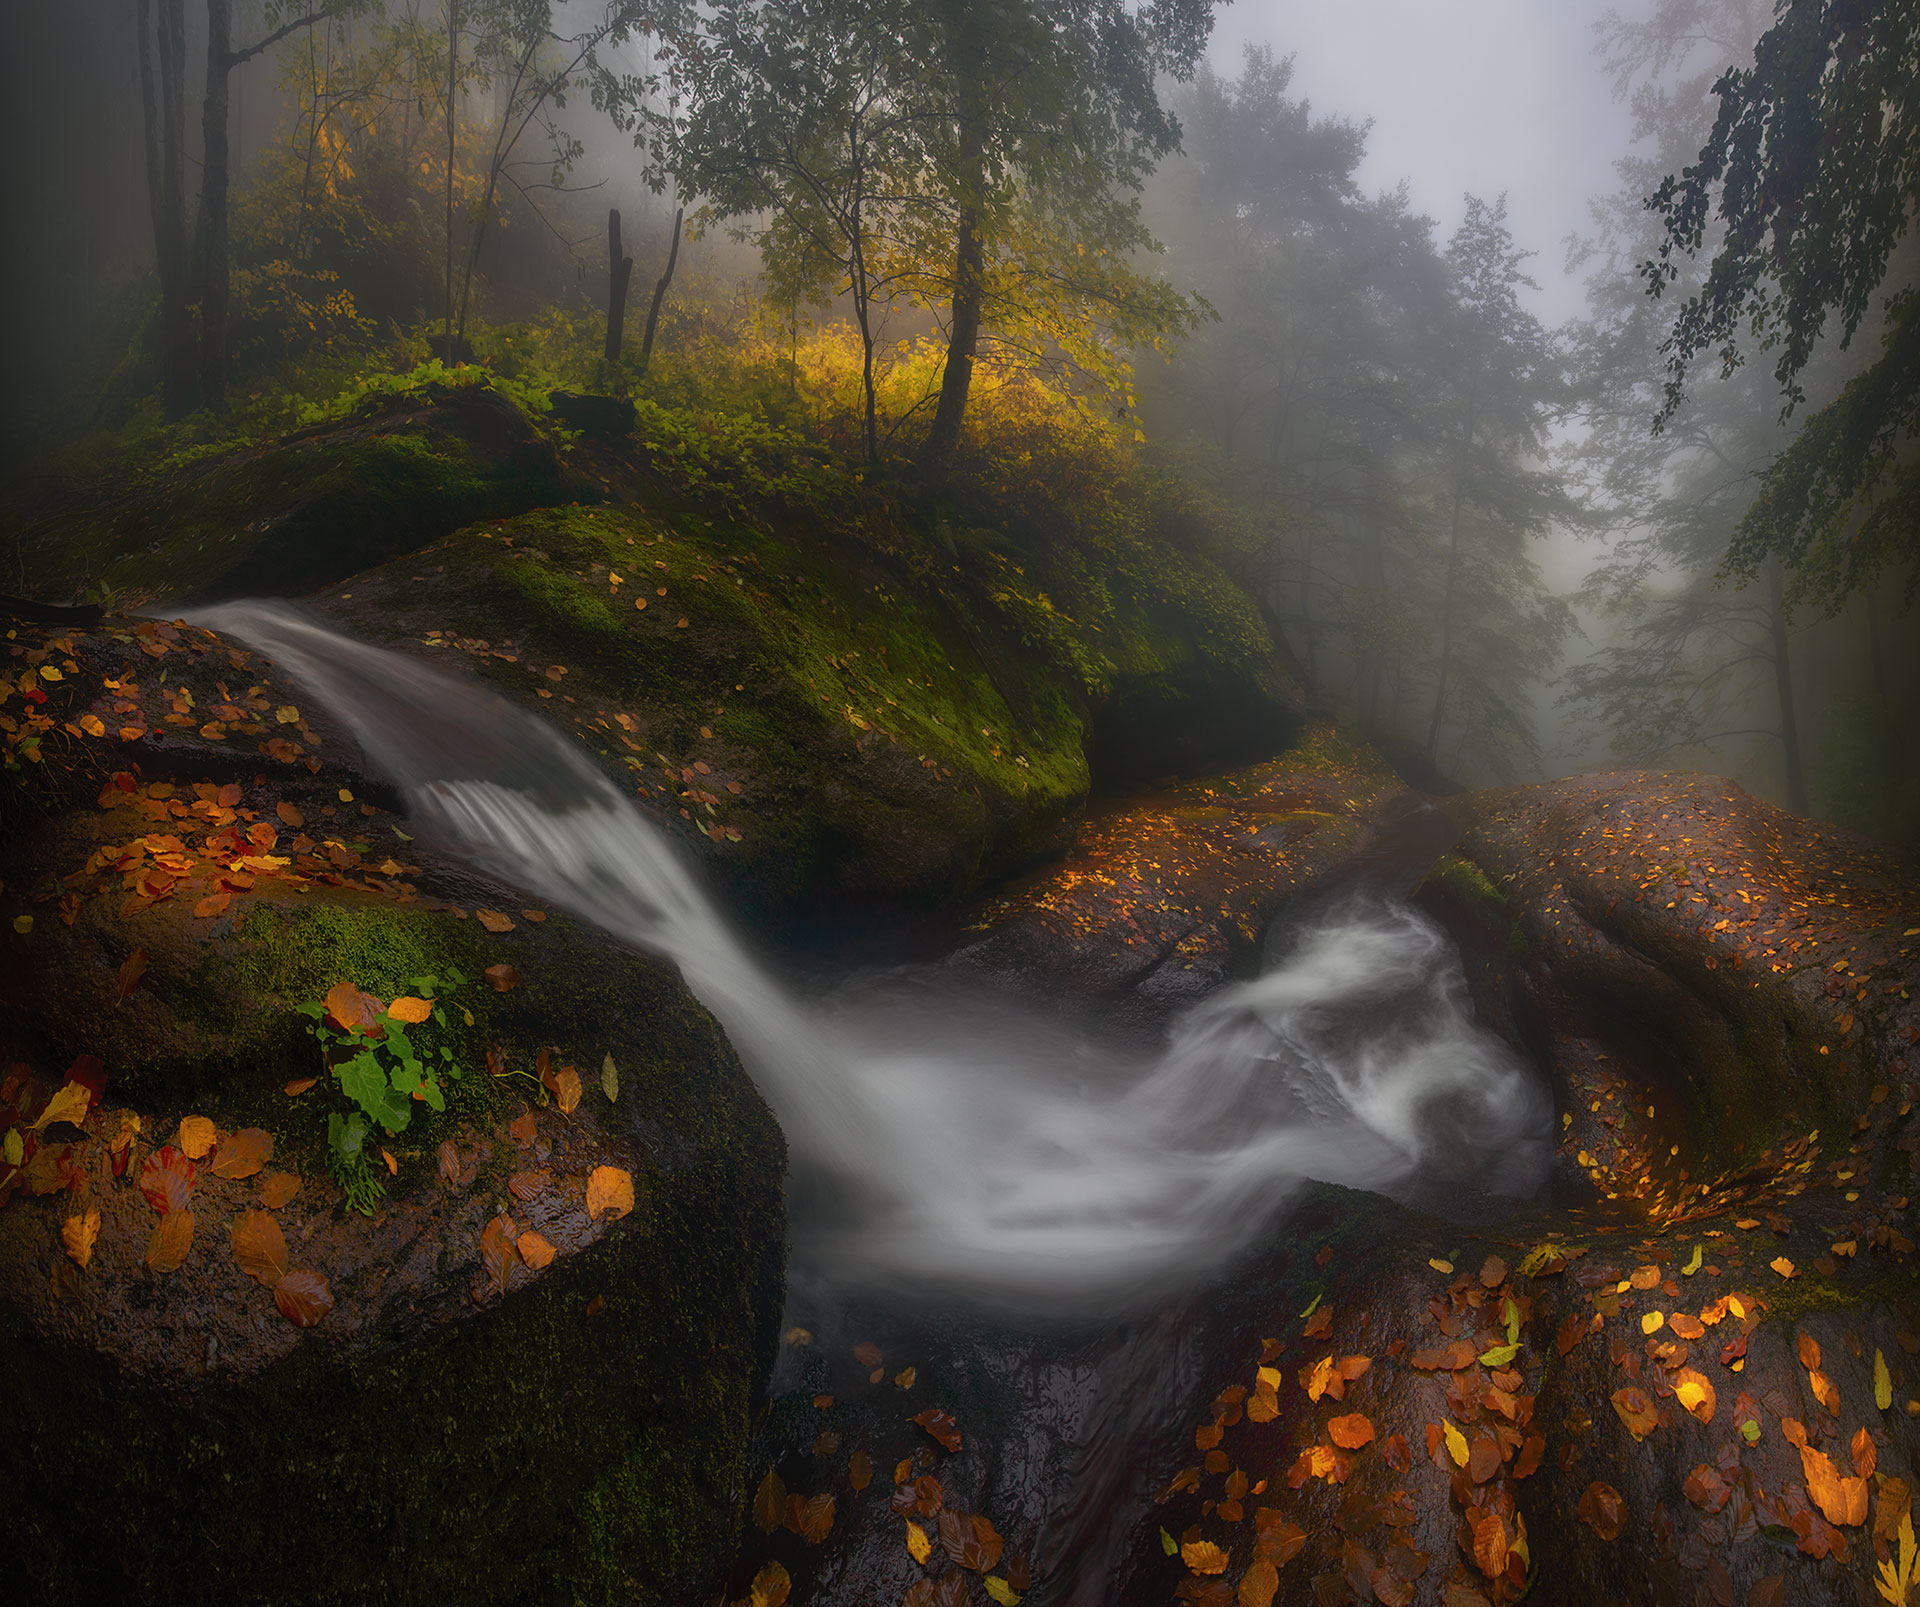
960, 1141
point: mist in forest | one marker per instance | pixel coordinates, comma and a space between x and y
1375, 291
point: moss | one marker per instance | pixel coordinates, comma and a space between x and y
1465, 878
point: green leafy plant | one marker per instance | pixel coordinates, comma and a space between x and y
384, 1057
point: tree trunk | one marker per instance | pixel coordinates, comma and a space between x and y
1783, 690
1446, 601
213, 208
619, 271
969, 267
165, 118
453, 89
660, 292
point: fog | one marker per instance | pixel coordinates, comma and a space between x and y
1540, 596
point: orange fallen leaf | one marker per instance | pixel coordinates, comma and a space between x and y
1352, 1431
303, 1297
534, 1250
771, 1587
1636, 1411
351, 1009
243, 1153
497, 1251
410, 1010
816, 1519
1782, 1265
278, 1189
770, 1503
1842, 1501
289, 816
610, 1192
1866, 1455
564, 1084
196, 1137
213, 904
1204, 1557
1489, 1543
299, 1086
1259, 1584
172, 1239
1695, 1392
260, 1247
521, 1128
1808, 1349
393, 1166
78, 1233
493, 920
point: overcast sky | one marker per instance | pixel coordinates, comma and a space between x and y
1480, 95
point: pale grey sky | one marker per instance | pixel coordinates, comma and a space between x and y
1480, 95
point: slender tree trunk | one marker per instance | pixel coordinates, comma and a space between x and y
619, 271
660, 292
496, 164
1783, 689
213, 208
453, 89
969, 267
1446, 600
165, 117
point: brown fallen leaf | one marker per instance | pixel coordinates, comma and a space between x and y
1640, 1415
260, 1247
816, 1519
493, 920
1204, 1557
299, 1086
243, 1153
1602, 1510
860, 1470
351, 1009
609, 1192
1489, 1543
534, 1250
770, 1503
78, 1233
1706, 1488
1259, 1584
867, 1353
132, 969
524, 1186
497, 1251
303, 1297
172, 1239
941, 1425
502, 978
289, 816
521, 1128
1493, 1273
771, 1587
564, 1084
196, 1136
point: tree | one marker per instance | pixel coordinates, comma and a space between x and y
1812, 173
1048, 122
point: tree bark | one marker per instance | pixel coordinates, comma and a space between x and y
969, 266
1446, 602
165, 119
619, 271
213, 208
660, 292
1783, 690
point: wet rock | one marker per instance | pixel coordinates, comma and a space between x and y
479, 1415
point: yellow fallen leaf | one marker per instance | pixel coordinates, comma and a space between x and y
918, 1543
1001, 1591
1781, 1265
609, 1192
1652, 1322
1438, 1265
1456, 1444
1882, 1382
196, 1137
68, 1105
77, 1234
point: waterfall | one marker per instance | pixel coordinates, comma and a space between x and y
965, 1140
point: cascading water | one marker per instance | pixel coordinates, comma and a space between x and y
970, 1142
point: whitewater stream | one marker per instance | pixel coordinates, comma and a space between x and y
962, 1141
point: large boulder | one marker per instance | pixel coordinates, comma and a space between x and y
516, 1393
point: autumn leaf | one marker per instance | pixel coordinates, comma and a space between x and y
196, 1136
1489, 1543
243, 1153
1001, 1591
1636, 1411
497, 1251
303, 1297
816, 1520
609, 1192
78, 1233
299, 1086
172, 1239
770, 1503
904, 1379
1602, 1510
1824, 1391
521, 1128
1694, 1392
1644, 1278
350, 1009
1900, 1575
1350, 1432
289, 815
1493, 1273
771, 1587
1882, 1382
610, 1079
502, 978
493, 920
1456, 1444
1259, 1584
278, 1189
132, 969
867, 1353
1203, 1557
940, 1425
534, 1250
860, 1470
919, 1546
410, 1010
1705, 1488
564, 1085
528, 1185
1808, 1349
166, 1179
1842, 1501
67, 1105
260, 1247
1782, 1265
1864, 1452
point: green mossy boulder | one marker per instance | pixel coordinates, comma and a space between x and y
455, 1428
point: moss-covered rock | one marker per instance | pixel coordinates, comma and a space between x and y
453, 1428
283, 516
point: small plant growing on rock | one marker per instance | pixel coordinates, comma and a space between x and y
370, 1048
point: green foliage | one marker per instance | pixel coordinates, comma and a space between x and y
382, 1070
1812, 172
